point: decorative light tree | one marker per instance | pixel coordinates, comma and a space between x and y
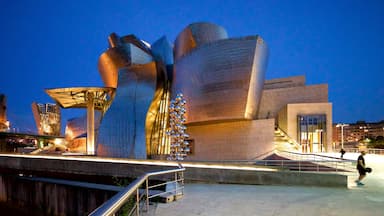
179, 147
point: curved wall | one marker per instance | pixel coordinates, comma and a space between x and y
122, 131
222, 80
195, 35
121, 54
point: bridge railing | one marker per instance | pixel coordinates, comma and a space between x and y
321, 160
368, 150
309, 165
137, 194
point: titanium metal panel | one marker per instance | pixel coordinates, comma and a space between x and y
122, 131
162, 51
222, 80
122, 53
76, 127
197, 34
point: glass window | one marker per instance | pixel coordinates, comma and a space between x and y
311, 132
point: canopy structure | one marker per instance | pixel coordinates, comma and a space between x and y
92, 98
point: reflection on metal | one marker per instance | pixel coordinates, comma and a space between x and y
134, 126
47, 118
122, 52
222, 79
84, 97
122, 130
179, 145
196, 35
158, 144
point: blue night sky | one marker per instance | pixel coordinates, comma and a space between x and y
52, 44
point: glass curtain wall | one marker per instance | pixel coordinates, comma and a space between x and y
312, 132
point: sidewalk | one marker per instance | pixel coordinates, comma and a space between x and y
222, 199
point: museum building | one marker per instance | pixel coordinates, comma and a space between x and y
232, 112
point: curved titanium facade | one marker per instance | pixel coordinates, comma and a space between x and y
222, 80
135, 124
195, 35
122, 52
122, 130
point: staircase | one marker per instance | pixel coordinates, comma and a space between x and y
283, 142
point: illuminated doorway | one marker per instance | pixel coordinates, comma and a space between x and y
312, 132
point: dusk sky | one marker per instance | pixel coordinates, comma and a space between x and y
52, 44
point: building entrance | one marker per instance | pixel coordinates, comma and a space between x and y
312, 132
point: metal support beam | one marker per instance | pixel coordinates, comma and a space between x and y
90, 123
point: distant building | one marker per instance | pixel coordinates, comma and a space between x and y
47, 118
4, 123
358, 132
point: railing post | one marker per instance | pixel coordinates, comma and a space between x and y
299, 165
176, 184
147, 194
137, 202
282, 164
182, 183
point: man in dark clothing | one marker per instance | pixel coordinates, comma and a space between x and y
361, 168
342, 152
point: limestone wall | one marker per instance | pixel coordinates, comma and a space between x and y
236, 140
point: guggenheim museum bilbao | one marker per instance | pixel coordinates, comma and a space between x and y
232, 112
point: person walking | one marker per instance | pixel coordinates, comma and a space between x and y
361, 168
342, 152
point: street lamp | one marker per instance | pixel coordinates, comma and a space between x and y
342, 133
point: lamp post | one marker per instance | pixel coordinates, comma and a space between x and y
342, 133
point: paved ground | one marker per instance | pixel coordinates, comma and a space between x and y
222, 199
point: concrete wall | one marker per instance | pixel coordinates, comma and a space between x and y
287, 118
51, 198
194, 171
228, 176
284, 82
237, 140
273, 100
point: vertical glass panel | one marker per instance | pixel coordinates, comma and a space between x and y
312, 132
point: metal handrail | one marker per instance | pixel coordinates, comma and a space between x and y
324, 160
368, 150
311, 156
117, 201
309, 165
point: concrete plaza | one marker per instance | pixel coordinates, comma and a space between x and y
224, 199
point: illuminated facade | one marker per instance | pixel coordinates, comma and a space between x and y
4, 124
232, 112
91, 98
47, 118
301, 111
358, 132
135, 124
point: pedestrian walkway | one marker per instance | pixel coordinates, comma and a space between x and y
224, 199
